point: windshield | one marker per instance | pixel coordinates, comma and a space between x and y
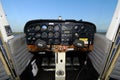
99, 12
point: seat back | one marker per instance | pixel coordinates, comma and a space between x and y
3, 74
116, 71
19, 52
99, 55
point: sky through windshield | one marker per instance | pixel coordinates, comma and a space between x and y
99, 12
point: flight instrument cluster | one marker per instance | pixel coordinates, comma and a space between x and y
59, 32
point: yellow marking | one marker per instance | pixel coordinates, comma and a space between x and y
83, 39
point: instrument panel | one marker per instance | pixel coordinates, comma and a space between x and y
59, 32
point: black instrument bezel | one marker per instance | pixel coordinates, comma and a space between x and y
88, 25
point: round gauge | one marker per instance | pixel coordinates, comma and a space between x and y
50, 28
29, 38
82, 27
56, 28
76, 27
56, 41
56, 35
76, 35
50, 34
38, 35
30, 28
44, 27
44, 35
37, 28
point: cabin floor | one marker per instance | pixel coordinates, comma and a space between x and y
78, 67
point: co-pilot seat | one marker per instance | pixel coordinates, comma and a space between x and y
19, 52
59, 36
3, 74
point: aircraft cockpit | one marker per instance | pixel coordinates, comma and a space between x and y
67, 41
60, 49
